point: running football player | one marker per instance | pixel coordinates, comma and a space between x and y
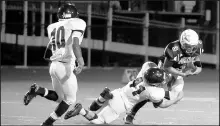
65, 37
147, 86
180, 59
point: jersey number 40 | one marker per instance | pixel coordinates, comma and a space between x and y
57, 41
58, 38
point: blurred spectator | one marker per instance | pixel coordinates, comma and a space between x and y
115, 5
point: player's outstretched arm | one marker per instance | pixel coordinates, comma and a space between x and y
166, 103
78, 53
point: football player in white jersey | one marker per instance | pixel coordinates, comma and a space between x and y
146, 86
65, 37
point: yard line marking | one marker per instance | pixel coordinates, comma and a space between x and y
173, 110
11, 102
200, 99
184, 99
28, 117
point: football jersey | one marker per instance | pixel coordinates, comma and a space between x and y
178, 57
137, 90
61, 34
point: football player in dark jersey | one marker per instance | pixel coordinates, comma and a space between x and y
180, 59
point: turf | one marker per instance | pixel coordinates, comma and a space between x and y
200, 105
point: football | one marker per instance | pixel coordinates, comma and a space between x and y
189, 67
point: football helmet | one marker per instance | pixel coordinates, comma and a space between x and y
67, 11
189, 41
154, 76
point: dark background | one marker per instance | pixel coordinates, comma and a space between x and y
12, 54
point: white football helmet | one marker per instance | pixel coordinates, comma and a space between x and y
189, 41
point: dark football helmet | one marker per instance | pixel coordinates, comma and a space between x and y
154, 75
67, 11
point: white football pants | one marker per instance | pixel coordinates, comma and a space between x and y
64, 81
111, 112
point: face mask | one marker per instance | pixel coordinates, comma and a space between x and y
189, 48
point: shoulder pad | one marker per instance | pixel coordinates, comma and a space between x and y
171, 50
49, 26
78, 24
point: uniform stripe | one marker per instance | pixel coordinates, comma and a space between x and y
79, 31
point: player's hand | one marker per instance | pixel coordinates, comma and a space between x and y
187, 73
78, 69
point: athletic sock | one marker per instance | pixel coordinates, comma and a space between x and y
48, 94
49, 121
61, 108
137, 106
59, 111
100, 100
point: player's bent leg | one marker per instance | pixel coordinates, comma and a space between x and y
60, 74
70, 89
130, 116
59, 111
78, 109
106, 115
104, 96
30, 94
111, 112
37, 90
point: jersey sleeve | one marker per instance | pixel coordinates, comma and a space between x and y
157, 95
49, 30
168, 53
78, 27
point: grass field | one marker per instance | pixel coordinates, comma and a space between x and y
199, 106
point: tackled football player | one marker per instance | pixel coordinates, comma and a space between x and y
65, 37
147, 86
180, 59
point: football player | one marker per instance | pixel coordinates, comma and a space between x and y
65, 37
147, 86
180, 59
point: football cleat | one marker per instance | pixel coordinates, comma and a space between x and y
75, 111
129, 119
106, 94
94, 106
30, 94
